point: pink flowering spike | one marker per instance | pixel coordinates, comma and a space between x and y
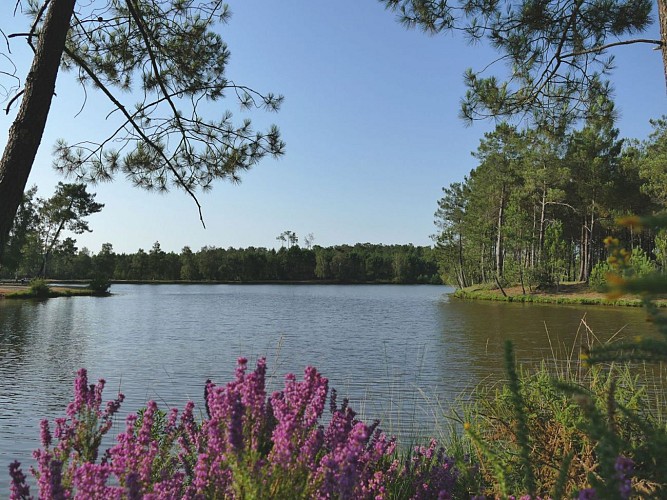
242, 364
208, 386
147, 423
171, 419
188, 423
43, 472
200, 482
80, 393
96, 394
431, 472
113, 406
170, 488
311, 448
18, 489
45, 434
89, 481
56, 480
132, 486
235, 425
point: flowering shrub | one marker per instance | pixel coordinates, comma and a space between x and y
248, 446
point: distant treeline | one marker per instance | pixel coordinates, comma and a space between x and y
344, 263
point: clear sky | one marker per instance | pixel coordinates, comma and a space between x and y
370, 120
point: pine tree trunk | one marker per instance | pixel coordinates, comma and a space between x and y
532, 262
543, 208
662, 19
463, 276
499, 235
26, 132
481, 264
583, 251
589, 256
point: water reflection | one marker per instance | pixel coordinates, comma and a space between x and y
478, 330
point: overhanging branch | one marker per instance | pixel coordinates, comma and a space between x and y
130, 119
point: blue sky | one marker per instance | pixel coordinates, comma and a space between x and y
370, 120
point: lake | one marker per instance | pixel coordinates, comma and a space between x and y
400, 353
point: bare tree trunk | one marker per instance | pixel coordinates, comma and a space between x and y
463, 276
26, 132
481, 264
662, 19
499, 235
532, 259
589, 256
583, 251
542, 223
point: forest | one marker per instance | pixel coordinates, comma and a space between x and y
539, 204
37, 248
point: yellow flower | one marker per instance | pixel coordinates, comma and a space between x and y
607, 241
631, 221
615, 280
466, 426
612, 259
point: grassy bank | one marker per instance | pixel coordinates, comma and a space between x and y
40, 289
566, 293
24, 292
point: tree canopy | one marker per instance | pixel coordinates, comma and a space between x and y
536, 208
556, 51
159, 63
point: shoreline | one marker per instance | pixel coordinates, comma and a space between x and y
74, 288
566, 293
22, 292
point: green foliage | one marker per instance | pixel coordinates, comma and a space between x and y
39, 288
343, 263
548, 425
540, 278
557, 51
590, 424
173, 51
639, 266
536, 208
598, 278
100, 284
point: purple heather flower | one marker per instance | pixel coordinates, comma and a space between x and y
45, 433
89, 481
235, 424
19, 490
624, 468
588, 494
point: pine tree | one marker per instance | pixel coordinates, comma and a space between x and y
555, 51
165, 51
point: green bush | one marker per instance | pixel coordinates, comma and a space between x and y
100, 284
39, 288
640, 265
540, 277
598, 278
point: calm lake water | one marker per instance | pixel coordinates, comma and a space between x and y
401, 353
